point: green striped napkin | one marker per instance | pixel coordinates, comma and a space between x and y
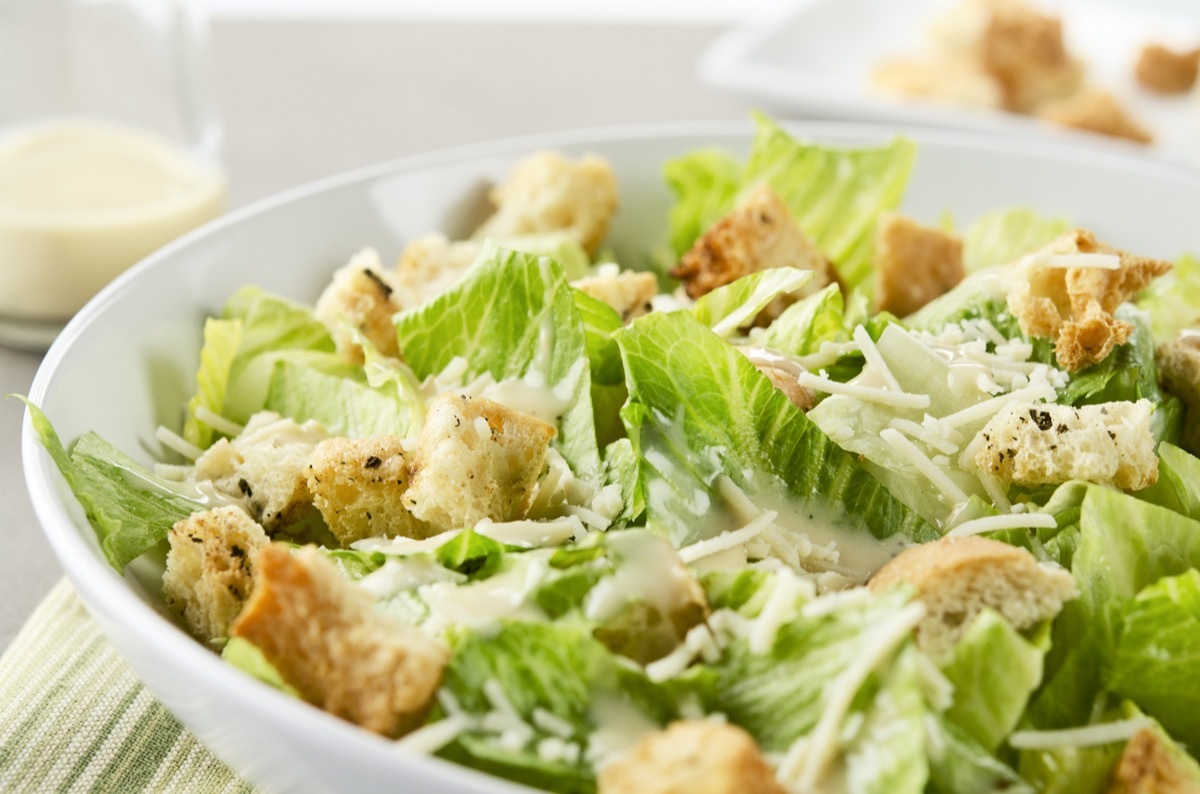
74, 718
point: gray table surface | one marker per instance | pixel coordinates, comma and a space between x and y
304, 99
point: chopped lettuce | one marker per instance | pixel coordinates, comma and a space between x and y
1178, 486
245, 656
338, 396
1003, 236
699, 410
1173, 300
735, 305
513, 316
131, 510
471, 554
803, 326
835, 194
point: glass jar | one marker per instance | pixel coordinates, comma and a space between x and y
109, 148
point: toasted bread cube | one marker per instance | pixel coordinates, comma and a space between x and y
210, 568
429, 266
360, 297
324, 636
475, 459
1096, 111
1165, 71
265, 468
1025, 52
913, 264
1179, 373
1149, 765
956, 578
1109, 444
548, 192
758, 234
1077, 302
627, 291
692, 757
358, 485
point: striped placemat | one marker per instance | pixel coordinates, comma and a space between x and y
74, 718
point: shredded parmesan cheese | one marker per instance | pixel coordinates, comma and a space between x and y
864, 393
916, 457
727, 540
1087, 736
176, 443
874, 359
1010, 521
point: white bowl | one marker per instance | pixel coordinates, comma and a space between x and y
126, 363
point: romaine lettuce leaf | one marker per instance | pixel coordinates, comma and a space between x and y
1178, 486
957, 763
705, 183
130, 509
245, 656
338, 396
699, 409
735, 305
803, 326
513, 316
1003, 236
1173, 300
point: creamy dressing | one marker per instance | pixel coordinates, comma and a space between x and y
483, 604
407, 573
648, 569
80, 201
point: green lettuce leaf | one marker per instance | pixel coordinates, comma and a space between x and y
221, 341
1157, 661
245, 656
1173, 300
474, 555
512, 316
803, 326
958, 763
705, 183
1003, 236
699, 409
338, 396
130, 509
994, 670
735, 305
1178, 485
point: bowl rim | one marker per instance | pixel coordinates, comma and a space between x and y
102, 588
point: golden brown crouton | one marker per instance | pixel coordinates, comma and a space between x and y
210, 568
1033, 445
265, 468
956, 578
627, 291
1097, 111
547, 192
758, 234
1073, 305
1148, 766
1179, 373
358, 485
913, 264
692, 757
1165, 71
429, 266
324, 636
475, 459
360, 297
1025, 52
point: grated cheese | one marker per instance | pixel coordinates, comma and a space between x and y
176, 443
552, 723
988, 408
1087, 736
218, 422
428, 739
786, 590
727, 540
924, 465
925, 435
864, 393
874, 359
1010, 521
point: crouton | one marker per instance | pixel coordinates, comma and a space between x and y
1096, 111
953, 78
324, 636
627, 291
475, 459
1165, 71
1053, 302
692, 757
210, 568
1025, 52
265, 468
357, 484
547, 192
1109, 444
956, 578
1148, 765
1179, 373
783, 373
758, 234
360, 298
429, 266
913, 264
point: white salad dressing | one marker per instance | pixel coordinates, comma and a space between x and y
648, 569
483, 604
80, 201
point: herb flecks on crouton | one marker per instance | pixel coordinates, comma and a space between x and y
360, 298
1109, 444
210, 567
475, 459
328, 642
358, 485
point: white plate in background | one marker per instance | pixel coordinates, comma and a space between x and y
814, 58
